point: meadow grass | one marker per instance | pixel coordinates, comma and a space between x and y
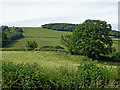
47, 58
21, 43
43, 37
43, 33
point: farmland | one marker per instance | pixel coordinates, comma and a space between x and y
55, 69
44, 37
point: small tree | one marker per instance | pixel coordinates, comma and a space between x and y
67, 42
31, 45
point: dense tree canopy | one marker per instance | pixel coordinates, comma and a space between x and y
10, 34
91, 38
31, 45
4, 39
60, 26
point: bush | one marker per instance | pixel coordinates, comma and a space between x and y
13, 49
58, 47
22, 76
31, 45
90, 75
116, 56
53, 47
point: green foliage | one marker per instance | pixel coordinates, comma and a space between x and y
26, 76
31, 45
67, 42
9, 35
114, 33
53, 47
91, 38
18, 29
60, 26
13, 49
91, 76
22, 76
116, 56
4, 39
5, 28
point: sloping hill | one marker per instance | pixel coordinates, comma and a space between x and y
42, 36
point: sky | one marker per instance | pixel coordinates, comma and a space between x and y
34, 13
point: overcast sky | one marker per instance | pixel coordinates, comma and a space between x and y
37, 12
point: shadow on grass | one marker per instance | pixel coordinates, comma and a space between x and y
108, 59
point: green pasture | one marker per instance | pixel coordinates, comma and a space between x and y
44, 58
31, 32
43, 37
48, 58
116, 44
21, 43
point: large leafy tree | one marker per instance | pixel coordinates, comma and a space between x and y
91, 38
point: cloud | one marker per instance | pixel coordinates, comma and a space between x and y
36, 12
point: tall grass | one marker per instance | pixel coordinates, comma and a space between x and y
87, 75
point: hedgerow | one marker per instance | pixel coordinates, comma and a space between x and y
88, 75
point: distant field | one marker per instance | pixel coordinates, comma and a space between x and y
42, 33
116, 44
42, 36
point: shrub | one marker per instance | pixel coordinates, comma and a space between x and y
22, 76
58, 47
53, 47
90, 75
116, 56
31, 45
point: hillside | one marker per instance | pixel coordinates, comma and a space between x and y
43, 37
46, 37
10, 35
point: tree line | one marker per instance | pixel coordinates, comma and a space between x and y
115, 33
71, 27
60, 26
9, 35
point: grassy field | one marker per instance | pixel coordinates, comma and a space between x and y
42, 33
47, 58
43, 37
116, 44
